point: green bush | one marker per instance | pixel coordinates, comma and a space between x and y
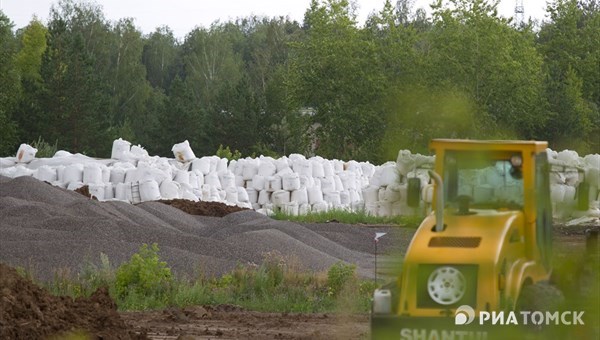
338, 276
144, 274
227, 153
44, 149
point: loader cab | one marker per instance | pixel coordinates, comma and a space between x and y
499, 175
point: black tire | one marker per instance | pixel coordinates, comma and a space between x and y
541, 296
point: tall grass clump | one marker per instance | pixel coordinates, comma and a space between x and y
349, 217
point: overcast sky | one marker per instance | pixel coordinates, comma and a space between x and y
183, 15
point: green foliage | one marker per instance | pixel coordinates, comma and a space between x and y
144, 274
226, 153
356, 217
338, 276
44, 149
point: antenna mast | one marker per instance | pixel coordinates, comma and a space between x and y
519, 13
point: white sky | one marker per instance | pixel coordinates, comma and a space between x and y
183, 15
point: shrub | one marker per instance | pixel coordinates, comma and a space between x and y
144, 274
338, 276
44, 149
227, 153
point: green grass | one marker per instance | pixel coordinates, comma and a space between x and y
343, 216
278, 285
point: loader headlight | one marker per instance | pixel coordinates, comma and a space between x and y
446, 285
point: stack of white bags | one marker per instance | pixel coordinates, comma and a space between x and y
293, 184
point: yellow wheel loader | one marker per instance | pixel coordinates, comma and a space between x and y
482, 257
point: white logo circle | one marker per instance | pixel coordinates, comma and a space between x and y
446, 285
464, 315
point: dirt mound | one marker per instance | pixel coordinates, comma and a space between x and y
215, 209
30, 312
85, 191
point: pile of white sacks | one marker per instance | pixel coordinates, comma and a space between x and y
293, 184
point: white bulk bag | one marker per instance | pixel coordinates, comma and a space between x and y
193, 180
291, 181
392, 193
304, 209
368, 169
344, 197
46, 173
92, 173
62, 153
354, 196
258, 182
427, 194
315, 195
202, 165
264, 197
105, 174
183, 152
74, 185
73, 173
557, 193
117, 175
232, 166
568, 157
26, 153
252, 195
131, 175
385, 209
138, 152
300, 196
213, 180
250, 170
231, 195
327, 184
290, 208
221, 164
327, 168
273, 183
302, 167
187, 195
149, 191
389, 175
332, 197
120, 149
280, 197
339, 186
570, 193
60, 173
571, 177
123, 192
222, 195
109, 191
267, 168
370, 194
320, 207
281, 163
97, 190
317, 169
242, 195
338, 166
169, 190
239, 181
182, 177
306, 181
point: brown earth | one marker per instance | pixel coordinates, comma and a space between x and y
85, 191
30, 312
215, 209
232, 322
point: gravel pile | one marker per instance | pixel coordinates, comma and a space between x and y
48, 228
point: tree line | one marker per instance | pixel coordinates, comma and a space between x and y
326, 86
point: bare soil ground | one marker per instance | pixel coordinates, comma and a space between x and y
231, 322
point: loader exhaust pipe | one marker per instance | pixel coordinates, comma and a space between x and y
439, 203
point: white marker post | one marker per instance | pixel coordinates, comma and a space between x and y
377, 236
